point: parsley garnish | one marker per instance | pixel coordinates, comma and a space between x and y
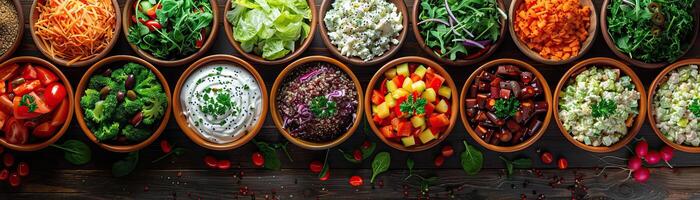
604, 108
322, 107
413, 107
219, 104
695, 107
28, 100
506, 107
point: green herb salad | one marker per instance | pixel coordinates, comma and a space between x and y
676, 106
598, 106
651, 31
271, 29
170, 29
460, 29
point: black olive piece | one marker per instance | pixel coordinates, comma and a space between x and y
120, 96
129, 83
107, 72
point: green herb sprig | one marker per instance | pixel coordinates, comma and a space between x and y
695, 107
603, 109
28, 101
506, 107
322, 107
413, 106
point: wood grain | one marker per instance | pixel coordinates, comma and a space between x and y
53, 178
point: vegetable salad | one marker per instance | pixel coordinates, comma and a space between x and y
598, 105
364, 29
677, 106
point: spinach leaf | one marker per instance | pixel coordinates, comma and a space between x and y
520, 163
380, 164
75, 152
126, 166
272, 161
471, 159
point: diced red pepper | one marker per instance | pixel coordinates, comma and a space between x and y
26, 87
387, 132
436, 82
202, 36
398, 80
405, 129
382, 87
153, 25
429, 108
377, 97
415, 78
439, 120
28, 72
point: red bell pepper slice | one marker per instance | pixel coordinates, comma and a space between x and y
440, 120
26, 87
377, 97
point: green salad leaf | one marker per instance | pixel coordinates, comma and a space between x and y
126, 166
380, 164
269, 28
75, 152
453, 38
651, 31
472, 159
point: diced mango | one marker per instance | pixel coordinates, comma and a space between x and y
420, 71
391, 86
391, 73
402, 69
429, 95
407, 85
382, 110
399, 93
390, 101
445, 92
418, 86
441, 106
417, 121
408, 141
426, 136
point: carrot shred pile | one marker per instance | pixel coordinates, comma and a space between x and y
553, 28
75, 30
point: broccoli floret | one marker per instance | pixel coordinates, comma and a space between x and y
154, 108
103, 109
88, 100
127, 109
148, 86
97, 82
133, 68
107, 132
119, 75
135, 134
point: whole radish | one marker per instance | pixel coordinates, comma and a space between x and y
653, 157
666, 153
634, 163
642, 148
641, 175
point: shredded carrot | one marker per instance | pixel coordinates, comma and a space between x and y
553, 28
75, 30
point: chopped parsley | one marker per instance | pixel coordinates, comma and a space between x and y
246, 87
506, 107
604, 108
219, 104
413, 106
695, 107
28, 101
322, 107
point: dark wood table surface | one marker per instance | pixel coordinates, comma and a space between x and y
187, 177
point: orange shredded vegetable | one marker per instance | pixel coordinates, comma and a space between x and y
75, 30
553, 28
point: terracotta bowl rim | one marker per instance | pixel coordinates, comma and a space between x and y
18, 39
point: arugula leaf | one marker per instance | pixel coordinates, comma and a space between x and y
471, 159
380, 164
413, 107
695, 107
603, 109
506, 107
322, 107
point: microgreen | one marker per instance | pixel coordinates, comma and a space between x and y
322, 107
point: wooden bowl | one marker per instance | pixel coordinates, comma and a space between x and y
105, 63
69, 94
181, 119
533, 138
277, 119
611, 44
459, 62
126, 23
18, 39
662, 77
585, 46
34, 15
607, 62
400, 5
378, 78
289, 57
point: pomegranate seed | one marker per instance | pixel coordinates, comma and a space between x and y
562, 163
223, 164
316, 166
547, 158
366, 145
211, 161
447, 151
4, 174
23, 169
356, 181
258, 159
14, 179
357, 154
439, 160
165, 146
326, 176
8, 160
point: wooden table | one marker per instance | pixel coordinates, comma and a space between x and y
187, 177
